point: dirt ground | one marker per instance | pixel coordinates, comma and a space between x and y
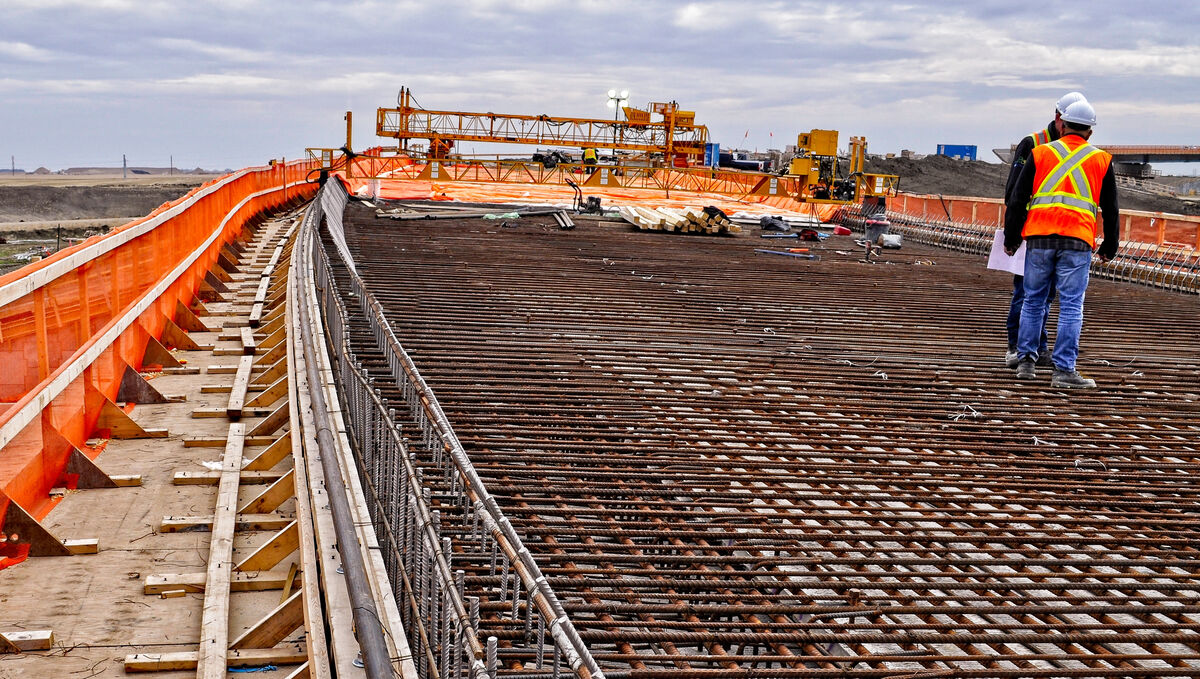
53, 198
42, 212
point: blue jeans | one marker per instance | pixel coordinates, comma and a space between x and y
1014, 314
1068, 271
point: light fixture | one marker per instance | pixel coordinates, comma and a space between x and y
616, 101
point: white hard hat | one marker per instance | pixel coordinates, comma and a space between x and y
1068, 99
1080, 113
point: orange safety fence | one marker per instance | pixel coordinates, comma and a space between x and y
510, 192
72, 323
1144, 227
517, 182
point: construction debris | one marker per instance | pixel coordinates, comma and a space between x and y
710, 220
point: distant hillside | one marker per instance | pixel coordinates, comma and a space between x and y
939, 175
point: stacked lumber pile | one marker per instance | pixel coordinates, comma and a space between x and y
679, 220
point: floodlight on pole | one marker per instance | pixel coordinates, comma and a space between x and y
616, 101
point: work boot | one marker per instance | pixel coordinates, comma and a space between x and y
1044, 360
1025, 369
1071, 379
1011, 358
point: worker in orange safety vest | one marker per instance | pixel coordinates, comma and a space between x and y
1053, 208
1021, 155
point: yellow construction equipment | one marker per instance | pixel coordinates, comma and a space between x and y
816, 164
675, 137
665, 150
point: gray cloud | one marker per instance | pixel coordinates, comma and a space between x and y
234, 83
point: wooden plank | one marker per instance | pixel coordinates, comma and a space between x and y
214, 622
241, 380
274, 339
176, 524
278, 369
187, 320
273, 551
264, 285
126, 480
236, 351
188, 660
219, 441
272, 324
182, 370
275, 452
135, 388
272, 422
223, 412
83, 546
277, 352
248, 342
256, 314
227, 262
89, 475
211, 478
23, 641
16, 521
289, 584
157, 354
236, 336
250, 581
121, 426
276, 626
175, 336
271, 394
272, 496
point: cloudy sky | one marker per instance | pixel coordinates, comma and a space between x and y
231, 83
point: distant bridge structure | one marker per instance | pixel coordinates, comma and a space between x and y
1134, 160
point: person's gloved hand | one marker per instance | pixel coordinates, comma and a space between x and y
1107, 250
1011, 244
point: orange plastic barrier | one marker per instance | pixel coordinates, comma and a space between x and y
70, 324
508, 192
1144, 227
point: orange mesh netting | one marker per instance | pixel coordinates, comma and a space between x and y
507, 192
58, 367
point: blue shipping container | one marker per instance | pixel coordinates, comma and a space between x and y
712, 155
958, 151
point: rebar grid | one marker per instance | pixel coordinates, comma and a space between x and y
1171, 266
728, 465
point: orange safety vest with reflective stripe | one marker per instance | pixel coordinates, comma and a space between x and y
1066, 186
1041, 137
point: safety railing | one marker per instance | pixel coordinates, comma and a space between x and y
1170, 266
441, 621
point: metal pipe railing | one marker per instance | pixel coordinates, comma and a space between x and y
442, 623
367, 624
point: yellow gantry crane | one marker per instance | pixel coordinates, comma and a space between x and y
666, 154
677, 134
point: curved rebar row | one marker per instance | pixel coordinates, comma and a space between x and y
1174, 267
